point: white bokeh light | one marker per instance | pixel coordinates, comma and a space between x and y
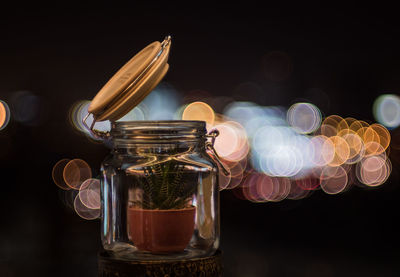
387, 110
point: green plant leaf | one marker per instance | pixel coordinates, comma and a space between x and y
164, 187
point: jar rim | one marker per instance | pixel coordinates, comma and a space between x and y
158, 130
159, 123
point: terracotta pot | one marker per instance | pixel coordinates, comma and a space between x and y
161, 231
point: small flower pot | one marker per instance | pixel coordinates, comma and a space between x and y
161, 231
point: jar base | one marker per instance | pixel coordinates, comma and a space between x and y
128, 252
210, 266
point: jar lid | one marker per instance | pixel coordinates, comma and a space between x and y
132, 83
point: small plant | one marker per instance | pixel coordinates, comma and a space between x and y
164, 188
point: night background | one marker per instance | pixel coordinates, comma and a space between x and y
341, 59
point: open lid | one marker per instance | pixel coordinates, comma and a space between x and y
131, 83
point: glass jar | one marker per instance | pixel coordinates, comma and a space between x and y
160, 196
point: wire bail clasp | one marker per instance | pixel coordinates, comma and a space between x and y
94, 132
213, 134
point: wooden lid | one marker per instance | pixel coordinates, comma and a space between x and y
132, 83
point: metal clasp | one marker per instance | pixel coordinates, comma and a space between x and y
213, 134
94, 132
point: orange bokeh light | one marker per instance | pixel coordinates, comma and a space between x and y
57, 174
383, 134
342, 151
355, 143
327, 130
344, 124
76, 172
199, 111
3, 114
373, 148
333, 121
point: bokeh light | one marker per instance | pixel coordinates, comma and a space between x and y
76, 172
333, 179
386, 110
229, 141
281, 189
333, 120
199, 111
356, 146
83, 211
79, 191
383, 134
272, 153
223, 180
370, 135
162, 103
323, 150
357, 125
235, 181
373, 170
342, 151
297, 192
373, 148
305, 118
140, 112
308, 183
239, 150
4, 115
236, 171
292, 156
327, 130
89, 193
258, 188
265, 188
344, 125
329, 126
299, 149
57, 174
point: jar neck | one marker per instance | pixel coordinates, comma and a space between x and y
158, 137
167, 149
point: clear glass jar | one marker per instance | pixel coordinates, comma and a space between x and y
160, 196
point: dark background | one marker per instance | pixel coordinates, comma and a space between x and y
342, 57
